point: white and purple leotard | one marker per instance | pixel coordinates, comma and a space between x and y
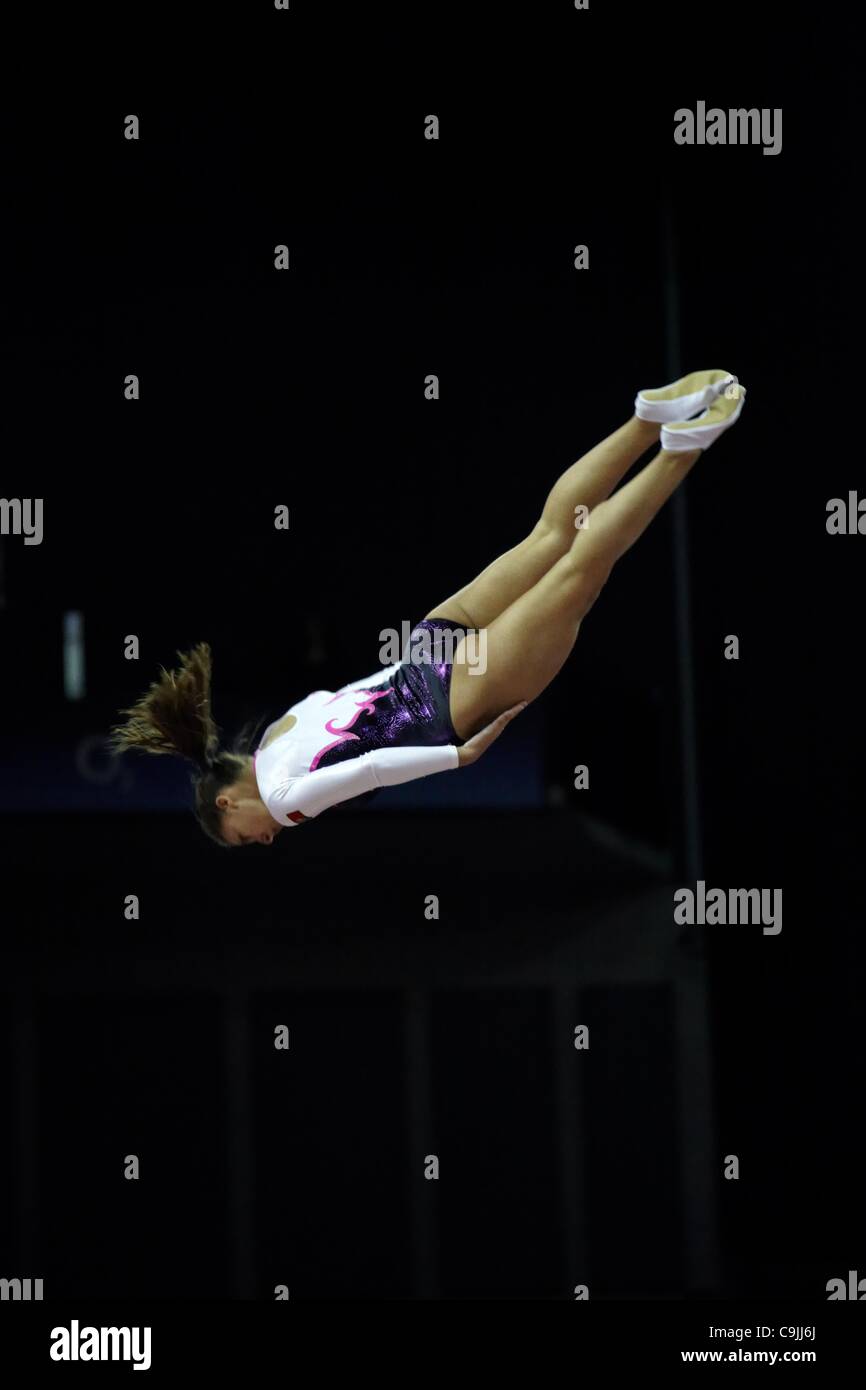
388, 728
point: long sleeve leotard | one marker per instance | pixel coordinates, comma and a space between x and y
367, 735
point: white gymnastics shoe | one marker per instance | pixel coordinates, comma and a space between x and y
705, 430
682, 398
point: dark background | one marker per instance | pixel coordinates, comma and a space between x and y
410, 1037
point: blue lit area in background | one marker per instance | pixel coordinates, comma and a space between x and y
57, 776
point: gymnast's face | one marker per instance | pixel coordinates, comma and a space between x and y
246, 820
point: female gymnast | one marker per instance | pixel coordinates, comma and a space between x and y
437, 710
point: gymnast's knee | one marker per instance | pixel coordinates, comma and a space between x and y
555, 540
585, 577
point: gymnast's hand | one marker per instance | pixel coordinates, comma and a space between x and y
471, 750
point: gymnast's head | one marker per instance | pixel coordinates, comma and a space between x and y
174, 717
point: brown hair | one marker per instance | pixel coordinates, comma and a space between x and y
174, 717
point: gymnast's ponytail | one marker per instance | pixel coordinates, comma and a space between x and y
174, 717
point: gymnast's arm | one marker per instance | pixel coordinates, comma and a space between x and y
315, 791
383, 767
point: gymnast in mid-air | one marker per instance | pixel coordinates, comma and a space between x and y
441, 707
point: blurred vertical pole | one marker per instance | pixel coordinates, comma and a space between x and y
25, 1084
690, 847
699, 1159
74, 685
570, 1125
239, 1123
419, 1111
